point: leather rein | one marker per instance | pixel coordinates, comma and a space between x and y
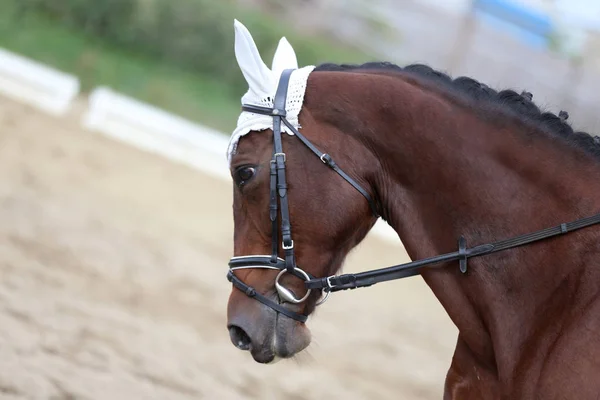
329, 284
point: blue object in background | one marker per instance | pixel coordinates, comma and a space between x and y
529, 25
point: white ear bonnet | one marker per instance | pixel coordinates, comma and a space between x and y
262, 85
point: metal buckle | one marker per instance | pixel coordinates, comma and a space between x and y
287, 294
291, 246
328, 280
323, 158
279, 155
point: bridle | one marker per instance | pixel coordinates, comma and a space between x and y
279, 202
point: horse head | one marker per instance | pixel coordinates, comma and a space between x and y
266, 209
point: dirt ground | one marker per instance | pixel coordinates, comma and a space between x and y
112, 286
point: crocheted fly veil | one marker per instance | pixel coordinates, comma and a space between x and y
262, 84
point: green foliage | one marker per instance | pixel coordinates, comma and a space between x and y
196, 34
175, 54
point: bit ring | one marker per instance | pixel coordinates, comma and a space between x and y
287, 294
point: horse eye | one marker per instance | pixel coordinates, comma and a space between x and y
243, 174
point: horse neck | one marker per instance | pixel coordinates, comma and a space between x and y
447, 172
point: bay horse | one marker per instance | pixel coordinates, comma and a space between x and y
440, 160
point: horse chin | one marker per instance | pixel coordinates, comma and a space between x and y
290, 338
287, 341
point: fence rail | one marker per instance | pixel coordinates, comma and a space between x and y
36, 84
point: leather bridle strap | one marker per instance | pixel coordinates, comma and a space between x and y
324, 157
368, 278
278, 201
327, 160
273, 211
279, 159
251, 292
259, 261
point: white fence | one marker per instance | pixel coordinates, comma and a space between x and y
126, 119
36, 84
157, 131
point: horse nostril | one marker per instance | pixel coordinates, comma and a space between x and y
239, 338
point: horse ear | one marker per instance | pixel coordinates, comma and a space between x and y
284, 58
257, 74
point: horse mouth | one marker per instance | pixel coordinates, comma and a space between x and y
264, 357
270, 344
272, 354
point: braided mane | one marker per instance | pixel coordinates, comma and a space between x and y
519, 104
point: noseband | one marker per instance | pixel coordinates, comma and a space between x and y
279, 201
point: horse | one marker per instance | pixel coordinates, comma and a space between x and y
440, 160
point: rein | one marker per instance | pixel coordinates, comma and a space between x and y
333, 283
352, 281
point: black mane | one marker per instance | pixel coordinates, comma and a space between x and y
519, 104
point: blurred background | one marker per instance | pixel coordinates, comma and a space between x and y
115, 236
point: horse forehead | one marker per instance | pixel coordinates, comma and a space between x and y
254, 148
255, 141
